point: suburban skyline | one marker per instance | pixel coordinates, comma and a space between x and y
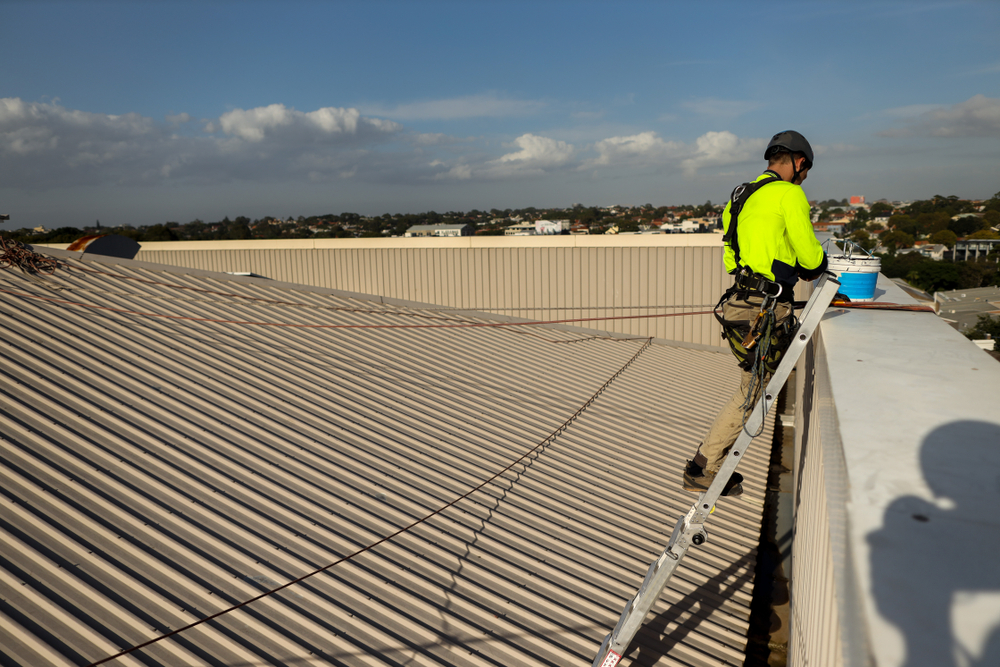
147, 112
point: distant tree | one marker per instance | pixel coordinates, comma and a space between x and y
951, 205
964, 226
236, 230
880, 208
897, 239
860, 221
932, 276
974, 274
929, 223
900, 266
991, 218
159, 233
944, 237
994, 203
864, 239
905, 224
628, 226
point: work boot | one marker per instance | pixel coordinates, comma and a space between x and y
698, 479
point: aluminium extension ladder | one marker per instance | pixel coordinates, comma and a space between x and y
690, 529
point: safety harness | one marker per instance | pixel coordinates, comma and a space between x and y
757, 343
740, 195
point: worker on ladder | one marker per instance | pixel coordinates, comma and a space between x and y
769, 245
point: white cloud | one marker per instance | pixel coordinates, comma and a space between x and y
638, 149
277, 119
45, 145
536, 155
539, 151
723, 148
649, 150
460, 172
978, 116
472, 106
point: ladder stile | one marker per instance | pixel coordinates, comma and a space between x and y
690, 528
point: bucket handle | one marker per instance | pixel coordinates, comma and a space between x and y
848, 249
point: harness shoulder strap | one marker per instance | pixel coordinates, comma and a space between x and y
738, 198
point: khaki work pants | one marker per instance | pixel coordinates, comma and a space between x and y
727, 425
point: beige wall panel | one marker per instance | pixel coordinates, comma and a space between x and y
816, 628
523, 277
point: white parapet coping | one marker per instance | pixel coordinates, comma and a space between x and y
918, 409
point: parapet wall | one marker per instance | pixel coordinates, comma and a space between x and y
640, 277
897, 494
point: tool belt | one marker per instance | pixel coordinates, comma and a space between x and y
749, 324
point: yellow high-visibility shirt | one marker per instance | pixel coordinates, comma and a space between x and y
775, 234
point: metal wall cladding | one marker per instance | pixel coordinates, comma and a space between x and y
828, 625
537, 281
176, 443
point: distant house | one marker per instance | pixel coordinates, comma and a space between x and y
687, 226
520, 229
579, 228
439, 230
833, 227
931, 250
544, 227
974, 249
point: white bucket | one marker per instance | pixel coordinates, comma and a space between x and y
856, 271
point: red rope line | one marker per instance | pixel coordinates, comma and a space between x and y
316, 307
349, 326
562, 427
882, 306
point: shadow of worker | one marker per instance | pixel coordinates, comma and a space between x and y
936, 564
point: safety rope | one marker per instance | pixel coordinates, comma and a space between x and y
551, 437
459, 325
758, 372
409, 312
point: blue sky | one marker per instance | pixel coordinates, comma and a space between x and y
142, 112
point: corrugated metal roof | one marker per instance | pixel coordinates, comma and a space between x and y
163, 459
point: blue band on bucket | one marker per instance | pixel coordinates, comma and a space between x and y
858, 285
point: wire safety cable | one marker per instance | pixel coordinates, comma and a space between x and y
552, 436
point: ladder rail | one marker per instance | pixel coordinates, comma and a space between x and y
690, 528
